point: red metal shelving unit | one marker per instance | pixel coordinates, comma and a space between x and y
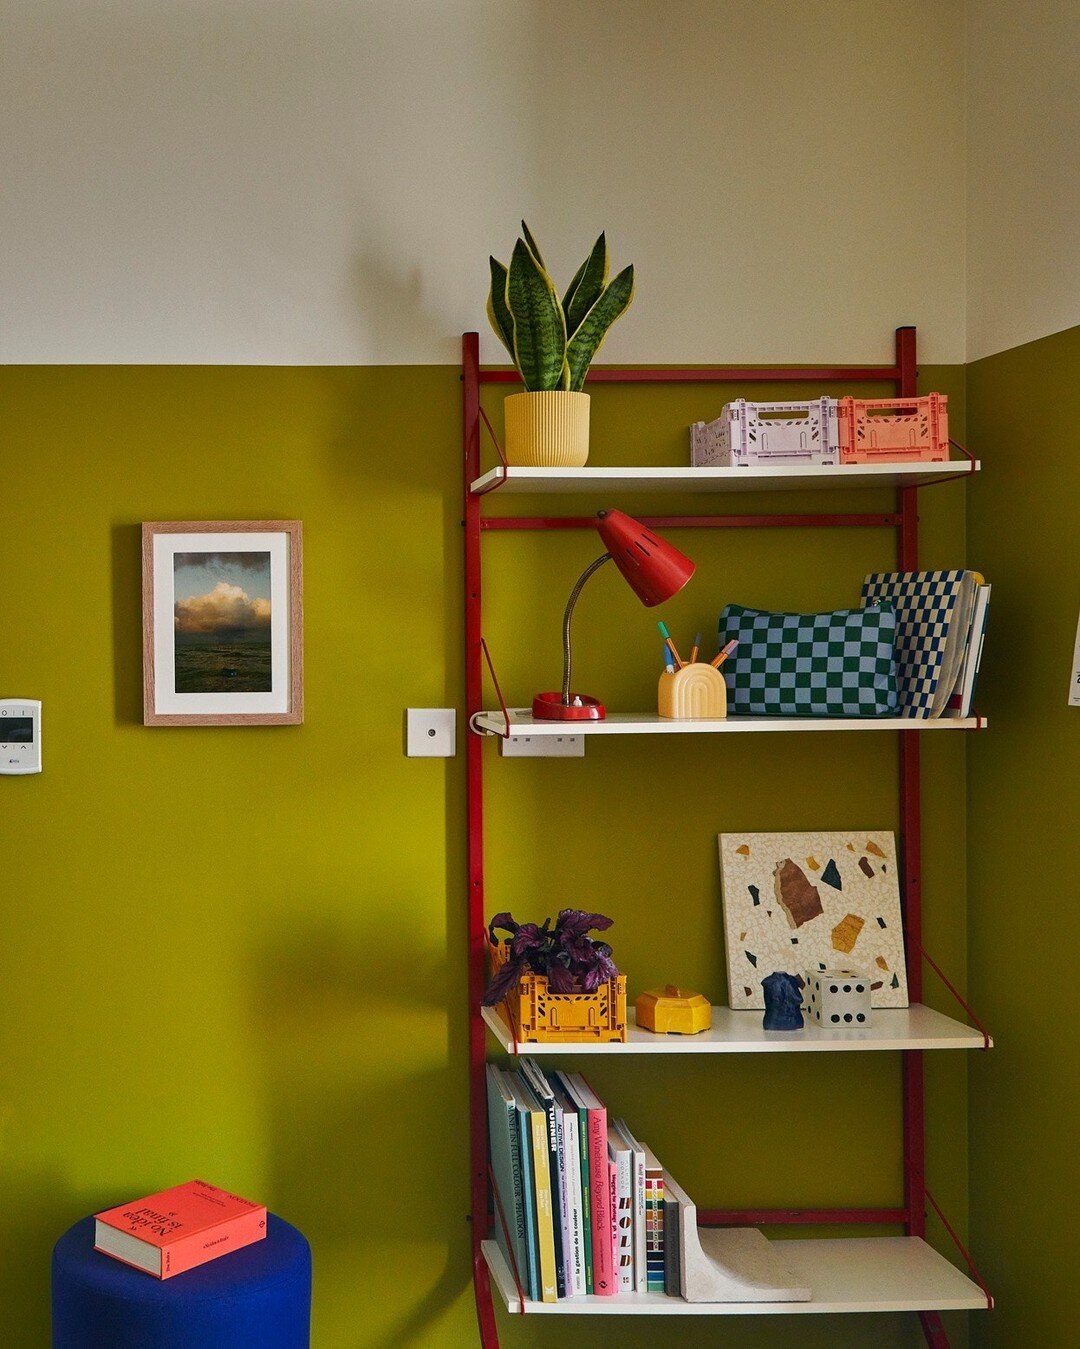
904, 518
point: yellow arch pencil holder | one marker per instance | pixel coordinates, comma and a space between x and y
697, 692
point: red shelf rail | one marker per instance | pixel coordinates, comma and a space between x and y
905, 520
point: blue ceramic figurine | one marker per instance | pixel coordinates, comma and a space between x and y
783, 1002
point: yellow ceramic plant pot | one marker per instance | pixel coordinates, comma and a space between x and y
549, 429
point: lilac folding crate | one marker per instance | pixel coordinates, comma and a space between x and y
750, 434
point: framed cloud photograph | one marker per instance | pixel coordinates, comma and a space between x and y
223, 623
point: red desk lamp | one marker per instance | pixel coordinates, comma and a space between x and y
655, 571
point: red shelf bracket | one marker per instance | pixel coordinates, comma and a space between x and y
503, 465
973, 1269
509, 1243
952, 989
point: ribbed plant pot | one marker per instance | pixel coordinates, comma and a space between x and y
549, 429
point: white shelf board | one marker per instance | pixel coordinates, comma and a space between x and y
845, 1274
522, 722
914, 1027
789, 477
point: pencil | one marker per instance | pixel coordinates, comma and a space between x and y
722, 656
697, 647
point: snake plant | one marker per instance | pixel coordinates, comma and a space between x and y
551, 341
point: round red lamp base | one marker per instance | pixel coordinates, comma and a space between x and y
550, 707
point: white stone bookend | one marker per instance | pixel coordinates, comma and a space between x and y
733, 1264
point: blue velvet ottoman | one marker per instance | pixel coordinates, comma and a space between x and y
259, 1296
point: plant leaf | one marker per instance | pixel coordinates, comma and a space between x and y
591, 980
534, 247
528, 938
587, 286
560, 980
592, 330
576, 922
498, 314
607, 967
503, 980
504, 923
539, 325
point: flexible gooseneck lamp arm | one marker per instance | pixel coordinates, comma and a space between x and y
568, 615
652, 568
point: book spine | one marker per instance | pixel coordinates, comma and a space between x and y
553, 1122
640, 1266
977, 637
624, 1218
586, 1198
517, 1178
600, 1203
560, 1214
572, 1154
613, 1230
506, 1175
530, 1275
654, 1231
545, 1215
189, 1252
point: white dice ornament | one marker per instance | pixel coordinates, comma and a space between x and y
838, 999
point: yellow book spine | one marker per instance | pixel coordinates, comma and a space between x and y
545, 1231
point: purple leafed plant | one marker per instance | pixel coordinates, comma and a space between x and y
572, 961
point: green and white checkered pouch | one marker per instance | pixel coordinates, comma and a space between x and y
840, 664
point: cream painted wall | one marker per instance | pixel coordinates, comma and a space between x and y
1023, 174
319, 181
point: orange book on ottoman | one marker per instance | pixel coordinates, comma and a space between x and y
166, 1233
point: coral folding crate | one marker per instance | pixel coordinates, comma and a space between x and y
894, 430
767, 433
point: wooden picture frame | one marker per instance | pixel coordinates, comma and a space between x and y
223, 623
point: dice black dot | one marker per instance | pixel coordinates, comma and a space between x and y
847, 1016
847, 988
859, 1016
859, 988
833, 988
835, 1017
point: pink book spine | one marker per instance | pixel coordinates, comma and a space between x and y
600, 1201
188, 1252
613, 1187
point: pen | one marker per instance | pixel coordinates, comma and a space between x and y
667, 658
722, 656
670, 644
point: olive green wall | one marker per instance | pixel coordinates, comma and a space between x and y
1024, 798
239, 953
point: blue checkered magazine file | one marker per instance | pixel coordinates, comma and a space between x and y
933, 613
838, 664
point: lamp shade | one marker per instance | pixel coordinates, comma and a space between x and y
654, 569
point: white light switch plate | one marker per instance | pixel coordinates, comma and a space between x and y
430, 732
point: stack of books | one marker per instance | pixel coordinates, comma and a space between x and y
579, 1201
940, 625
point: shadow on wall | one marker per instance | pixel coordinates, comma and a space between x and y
395, 301
127, 624
352, 1120
39, 1206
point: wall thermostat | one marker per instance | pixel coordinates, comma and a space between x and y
20, 735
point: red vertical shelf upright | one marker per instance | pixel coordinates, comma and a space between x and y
904, 518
